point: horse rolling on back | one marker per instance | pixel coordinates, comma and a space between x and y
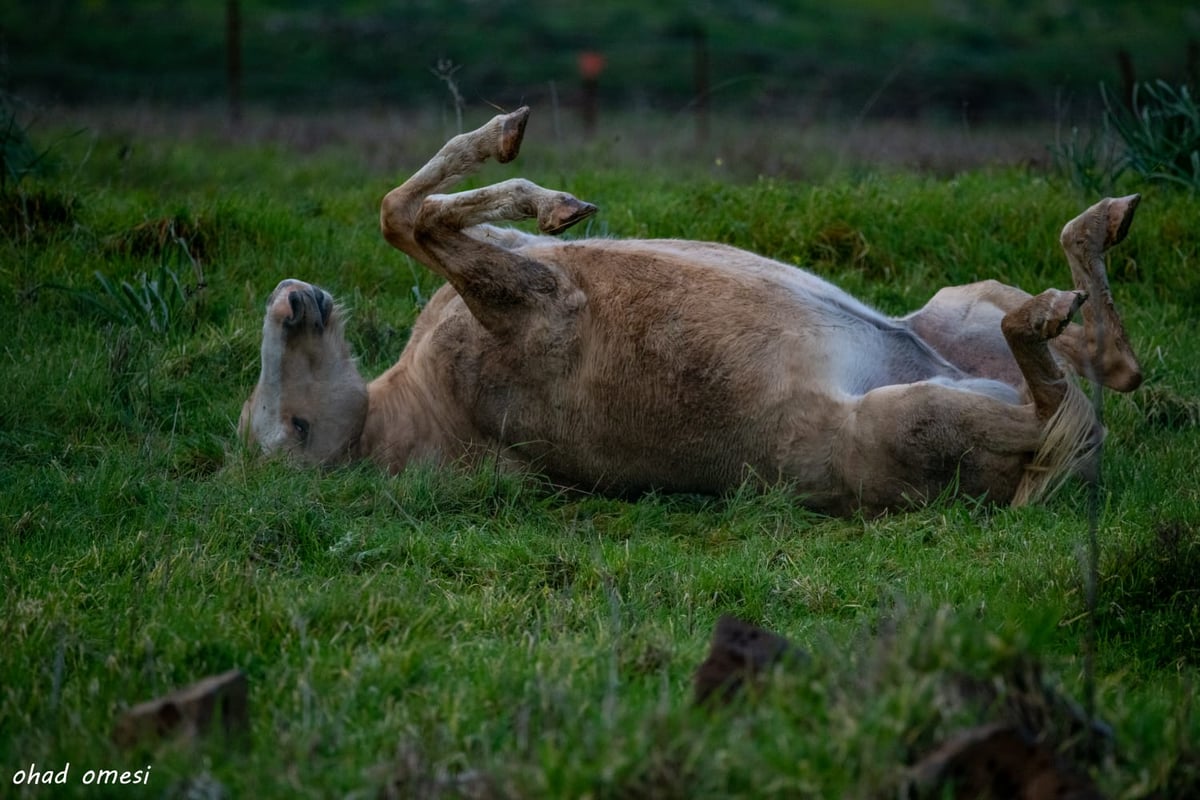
628, 365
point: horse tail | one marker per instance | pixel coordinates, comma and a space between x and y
1070, 444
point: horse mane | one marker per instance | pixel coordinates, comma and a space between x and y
1070, 443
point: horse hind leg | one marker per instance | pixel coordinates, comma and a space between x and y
1100, 349
1028, 329
960, 322
908, 443
1070, 432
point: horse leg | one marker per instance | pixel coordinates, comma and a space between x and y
906, 444
512, 200
963, 322
1028, 329
448, 232
500, 138
1101, 350
500, 286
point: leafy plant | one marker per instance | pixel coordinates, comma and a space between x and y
1161, 132
1089, 161
153, 304
18, 157
26, 211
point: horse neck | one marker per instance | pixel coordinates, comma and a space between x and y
407, 421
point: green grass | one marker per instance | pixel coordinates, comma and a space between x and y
483, 635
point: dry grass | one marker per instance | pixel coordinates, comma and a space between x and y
737, 147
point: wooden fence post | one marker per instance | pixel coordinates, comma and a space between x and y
233, 59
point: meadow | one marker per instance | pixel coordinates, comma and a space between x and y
471, 633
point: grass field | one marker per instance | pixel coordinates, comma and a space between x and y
481, 635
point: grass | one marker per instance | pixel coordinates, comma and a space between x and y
448, 634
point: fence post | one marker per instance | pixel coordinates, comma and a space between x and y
591, 64
700, 71
233, 59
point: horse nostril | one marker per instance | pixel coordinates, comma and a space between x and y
324, 305
301, 426
297, 304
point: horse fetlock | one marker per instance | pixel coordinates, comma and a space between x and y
1122, 372
1060, 307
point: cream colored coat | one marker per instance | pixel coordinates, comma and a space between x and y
627, 365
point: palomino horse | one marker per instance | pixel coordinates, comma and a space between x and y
628, 365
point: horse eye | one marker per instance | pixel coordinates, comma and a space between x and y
301, 426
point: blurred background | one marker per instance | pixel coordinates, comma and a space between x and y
1004, 59
700, 65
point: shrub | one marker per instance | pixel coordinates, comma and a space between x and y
1160, 129
1088, 160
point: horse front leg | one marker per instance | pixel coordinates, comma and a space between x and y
486, 265
513, 200
500, 138
448, 232
498, 282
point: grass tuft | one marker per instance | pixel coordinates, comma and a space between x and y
158, 238
1163, 407
36, 212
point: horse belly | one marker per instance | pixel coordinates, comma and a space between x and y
640, 416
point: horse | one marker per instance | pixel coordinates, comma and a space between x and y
629, 365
